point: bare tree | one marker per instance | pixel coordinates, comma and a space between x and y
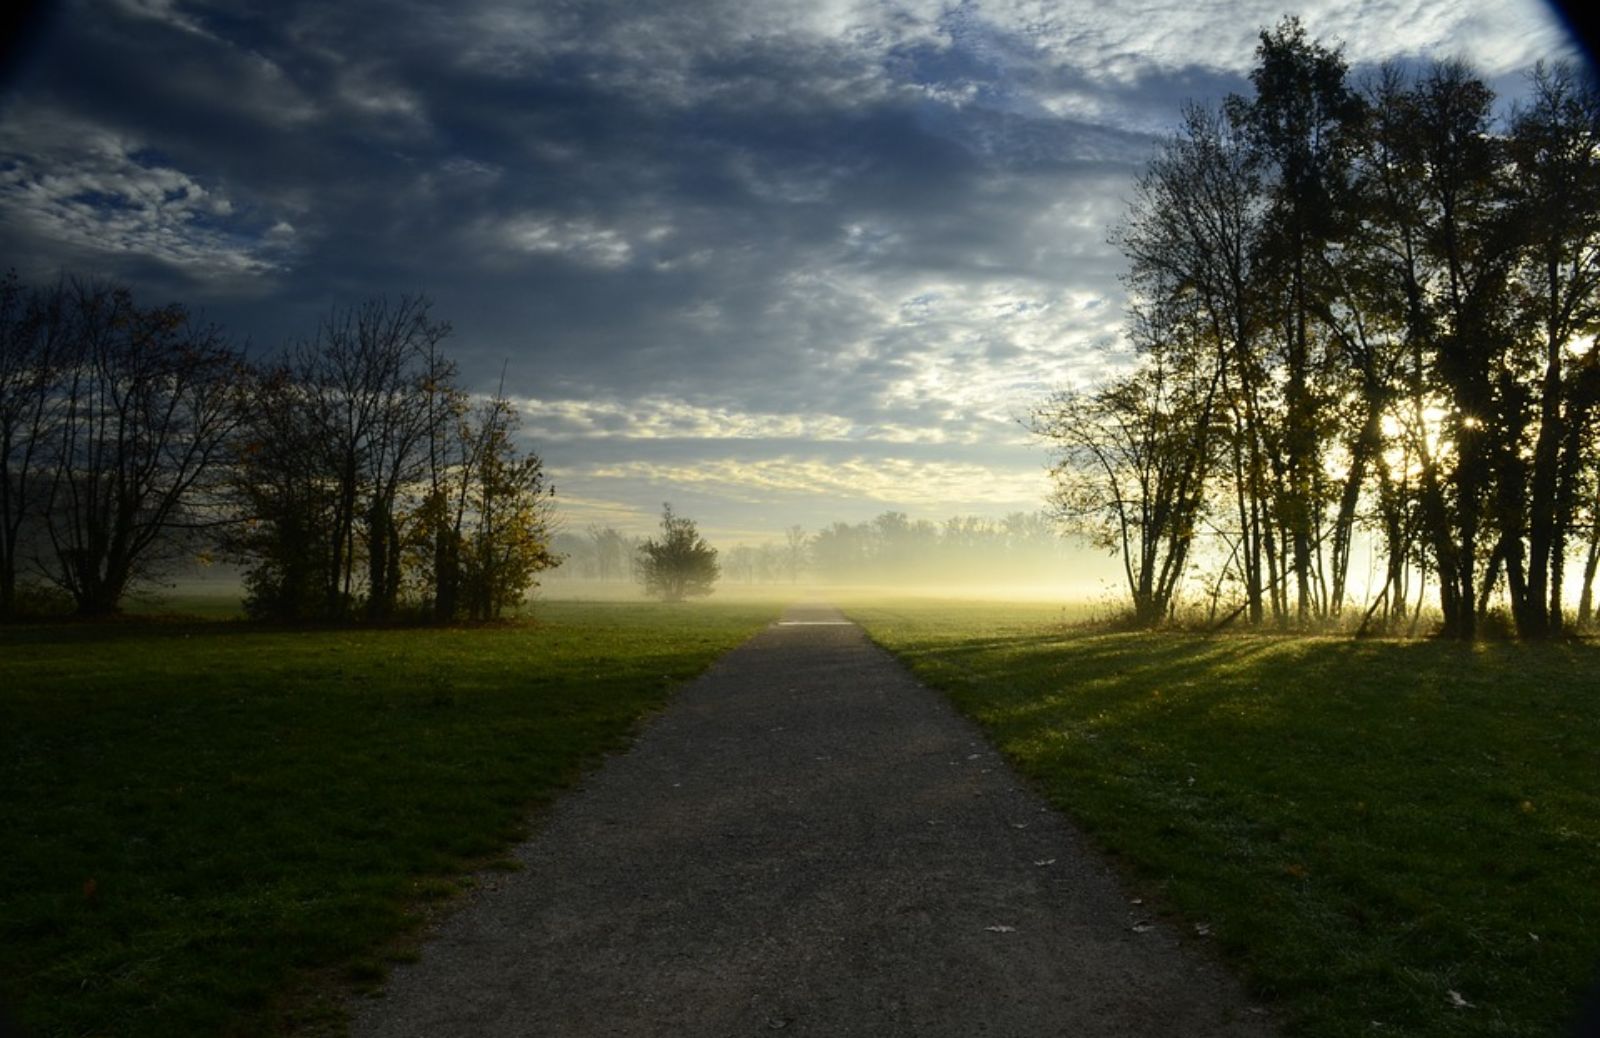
367, 378
1132, 463
147, 407
31, 347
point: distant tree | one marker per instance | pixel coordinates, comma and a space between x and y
741, 564
843, 551
610, 553
794, 551
680, 564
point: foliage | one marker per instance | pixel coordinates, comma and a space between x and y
680, 564
507, 543
1391, 299
206, 819
1365, 826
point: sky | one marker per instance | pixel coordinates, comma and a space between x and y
774, 262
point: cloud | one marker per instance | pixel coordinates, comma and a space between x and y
925, 486
761, 247
91, 189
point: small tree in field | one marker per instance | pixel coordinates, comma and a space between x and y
680, 564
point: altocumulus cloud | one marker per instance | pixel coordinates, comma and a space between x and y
777, 261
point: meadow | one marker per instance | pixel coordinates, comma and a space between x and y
1384, 837
219, 828
222, 828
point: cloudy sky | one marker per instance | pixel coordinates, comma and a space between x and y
774, 261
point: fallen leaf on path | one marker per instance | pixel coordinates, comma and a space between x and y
1001, 928
1143, 927
1456, 1001
1019, 825
1042, 862
1203, 929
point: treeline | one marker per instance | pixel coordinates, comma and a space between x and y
891, 548
1362, 311
350, 476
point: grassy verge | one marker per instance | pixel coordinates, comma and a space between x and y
199, 817
1391, 838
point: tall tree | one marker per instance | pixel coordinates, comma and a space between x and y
1555, 151
1192, 238
507, 543
1132, 463
367, 378
1300, 126
32, 356
147, 410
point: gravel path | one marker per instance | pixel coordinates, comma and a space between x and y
807, 840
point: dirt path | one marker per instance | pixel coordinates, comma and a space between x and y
807, 840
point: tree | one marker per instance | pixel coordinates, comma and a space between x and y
32, 329
508, 543
1132, 462
794, 551
1299, 127
147, 409
339, 433
1555, 151
610, 550
285, 505
680, 564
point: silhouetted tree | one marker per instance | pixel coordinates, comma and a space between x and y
1396, 296
346, 425
146, 410
1133, 460
32, 355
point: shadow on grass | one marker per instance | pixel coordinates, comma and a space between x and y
1369, 826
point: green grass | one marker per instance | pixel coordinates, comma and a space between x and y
211, 828
1365, 826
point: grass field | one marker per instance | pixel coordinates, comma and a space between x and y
1390, 838
212, 828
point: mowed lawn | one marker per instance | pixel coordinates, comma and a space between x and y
211, 828
1388, 838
